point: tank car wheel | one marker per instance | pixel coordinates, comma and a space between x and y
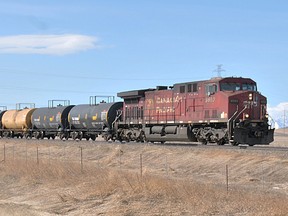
38, 135
52, 136
74, 135
105, 138
62, 136
66, 136
41, 135
80, 136
87, 138
93, 137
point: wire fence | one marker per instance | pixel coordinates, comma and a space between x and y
265, 171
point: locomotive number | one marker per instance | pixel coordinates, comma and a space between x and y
209, 99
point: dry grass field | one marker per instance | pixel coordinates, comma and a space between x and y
97, 178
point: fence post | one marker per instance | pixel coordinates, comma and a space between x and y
4, 153
120, 153
227, 179
13, 152
26, 154
141, 166
37, 156
49, 154
81, 159
166, 166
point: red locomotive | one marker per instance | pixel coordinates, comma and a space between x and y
219, 110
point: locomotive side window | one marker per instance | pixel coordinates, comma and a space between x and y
189, 87
182, 89
192, 87
195, 87
211, 89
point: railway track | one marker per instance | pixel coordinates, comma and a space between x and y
168, 144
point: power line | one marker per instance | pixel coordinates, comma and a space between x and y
68, 75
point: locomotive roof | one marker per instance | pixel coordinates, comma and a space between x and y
141, 92
223, 79
133, 93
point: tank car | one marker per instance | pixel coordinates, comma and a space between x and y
89, 120
16, 123
51, 121
3, 110
219, 110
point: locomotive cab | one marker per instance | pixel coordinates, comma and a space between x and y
247, 112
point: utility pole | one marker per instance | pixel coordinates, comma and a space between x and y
219, 70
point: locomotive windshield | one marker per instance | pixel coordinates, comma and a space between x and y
230, 87
248, 86
238, 87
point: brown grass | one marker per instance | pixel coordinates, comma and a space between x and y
57, 187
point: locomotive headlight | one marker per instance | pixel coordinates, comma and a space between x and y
246, 116
266, 116
250, 96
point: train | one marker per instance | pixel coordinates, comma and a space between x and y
221, 110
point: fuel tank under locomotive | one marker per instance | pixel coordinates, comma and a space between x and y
48, 122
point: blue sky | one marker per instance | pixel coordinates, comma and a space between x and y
73, 49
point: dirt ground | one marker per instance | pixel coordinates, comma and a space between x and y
96, 178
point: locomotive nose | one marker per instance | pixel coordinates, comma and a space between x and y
258, 134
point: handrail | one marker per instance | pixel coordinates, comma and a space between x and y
229, 124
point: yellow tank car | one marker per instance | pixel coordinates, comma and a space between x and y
16, 122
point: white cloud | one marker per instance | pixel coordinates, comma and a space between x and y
279, 109
47, 44
279, 114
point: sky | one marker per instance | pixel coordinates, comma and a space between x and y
72, 50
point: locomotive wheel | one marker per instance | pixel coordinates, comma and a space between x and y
203, 141
234, 143
52, 136
221, 142
87, 138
